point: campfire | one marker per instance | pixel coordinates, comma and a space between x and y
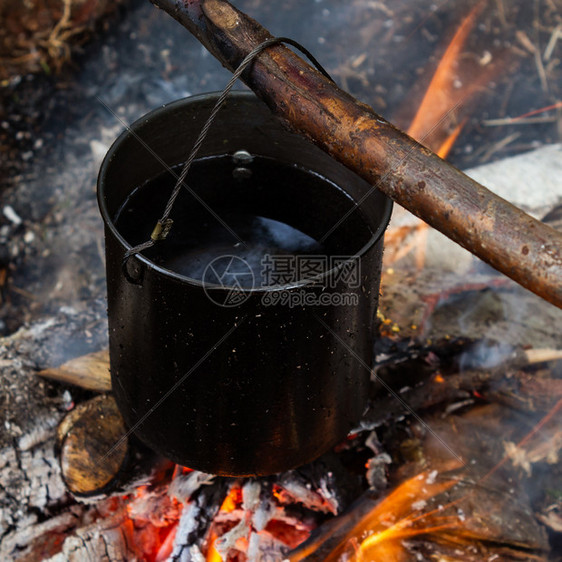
445, 497
456, 456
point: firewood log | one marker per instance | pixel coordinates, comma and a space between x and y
93, 446
88, 371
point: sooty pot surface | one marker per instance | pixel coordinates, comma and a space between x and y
255, 380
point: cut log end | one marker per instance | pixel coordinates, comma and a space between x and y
93, 446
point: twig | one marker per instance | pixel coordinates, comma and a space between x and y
556, 34
541, 71
525, 42
515, 121
542, 355
23, 293
501, 13
496, 147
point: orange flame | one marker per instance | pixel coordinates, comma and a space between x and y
434, 118
232, 500
443, 96
378, 535
396, 518
450, 141
213, 554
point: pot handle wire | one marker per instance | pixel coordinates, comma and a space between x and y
165, 223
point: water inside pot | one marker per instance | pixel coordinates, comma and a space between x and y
267, 208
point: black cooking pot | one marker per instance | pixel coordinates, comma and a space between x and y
264, 382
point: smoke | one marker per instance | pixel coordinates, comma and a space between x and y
485, 354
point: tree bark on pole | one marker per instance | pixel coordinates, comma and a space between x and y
514, 243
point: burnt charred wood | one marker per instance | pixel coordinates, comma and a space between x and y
499, 233
451, 376
501, 524
323, 486
409, 360
35, 542
325, 540
73, 537
30, 486
196, 518
108, 538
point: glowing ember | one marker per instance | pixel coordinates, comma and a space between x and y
255, 517
213, 554
167, 546
248, 527
232, 500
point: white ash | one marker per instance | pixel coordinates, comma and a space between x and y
263, 515
377, 468
264, 548
36, 330
264, 509
191, 554
251, 495
33, 489
67, 400
373, 443
326, 491
188, 524
184, 486
105, 539
259, 507
11, 215
42, 432
33, 477
154, 506
419, 505
451, 408
431, 477
196, 519
35, 484
21, 540
228, 541
299, 490
34, 406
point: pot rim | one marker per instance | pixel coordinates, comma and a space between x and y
108, 219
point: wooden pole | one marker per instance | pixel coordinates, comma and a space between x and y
514, 243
